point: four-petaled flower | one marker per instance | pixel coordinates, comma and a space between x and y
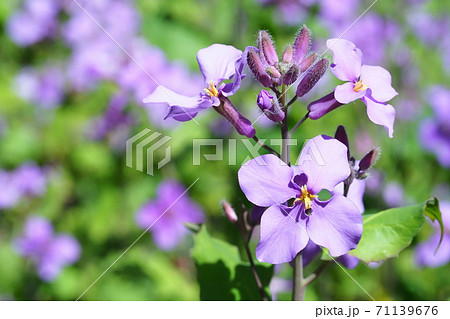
295, 214
218, 63
371, 84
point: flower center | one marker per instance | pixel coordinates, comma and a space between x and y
359, 86
306, 197
212, 90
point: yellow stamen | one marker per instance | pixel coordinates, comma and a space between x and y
306, 197
359, 86
212, 90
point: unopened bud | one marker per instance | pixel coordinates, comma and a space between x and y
307, 62
242, 125
288, 54
257, 67
273, 72
341, 136
270, 106
322, 106
265, 45
301, 45
229, 211
291, 75
368, 160
312, 77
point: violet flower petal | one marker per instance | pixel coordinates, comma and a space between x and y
379, 81
335, 225
324, 161
181, 108
265, 179
218, 62
282, 235
345, 94
346, 59
381, 114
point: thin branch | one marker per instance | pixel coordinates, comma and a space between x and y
245, 239
291, 101
267, 147
308, 280
296, 126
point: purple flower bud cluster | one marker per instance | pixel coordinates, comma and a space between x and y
48, 251
297, 62
26, 180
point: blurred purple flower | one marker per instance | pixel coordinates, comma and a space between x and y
286, 230
30, 179
166, 214
49, 252
372, 34
118, 17
113, 119
425, 252
434, 132
44, 88
34, 22
371, 84
394, 195
98, 60
27, 180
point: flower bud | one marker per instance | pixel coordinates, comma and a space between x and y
229, 211
322, 106
301, 45
291, 75
312, 77
265, 45
270, 106
288, 54
368, 160
307, 62
273, 72
341, 136
242, 125
257, 67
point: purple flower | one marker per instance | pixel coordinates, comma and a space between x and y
287, 226
434, 132
371, 84
114, 118
9, 191
30, 179
27, 180
49, 252
168, 230
270, 106
36, 21
394, 195
44, 88
425, 252
217, 63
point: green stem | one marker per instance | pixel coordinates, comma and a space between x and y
296, 126
267, 147
298, 289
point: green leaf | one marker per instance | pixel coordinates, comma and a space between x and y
222, 274
390, 231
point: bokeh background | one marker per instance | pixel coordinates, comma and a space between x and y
70, 98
